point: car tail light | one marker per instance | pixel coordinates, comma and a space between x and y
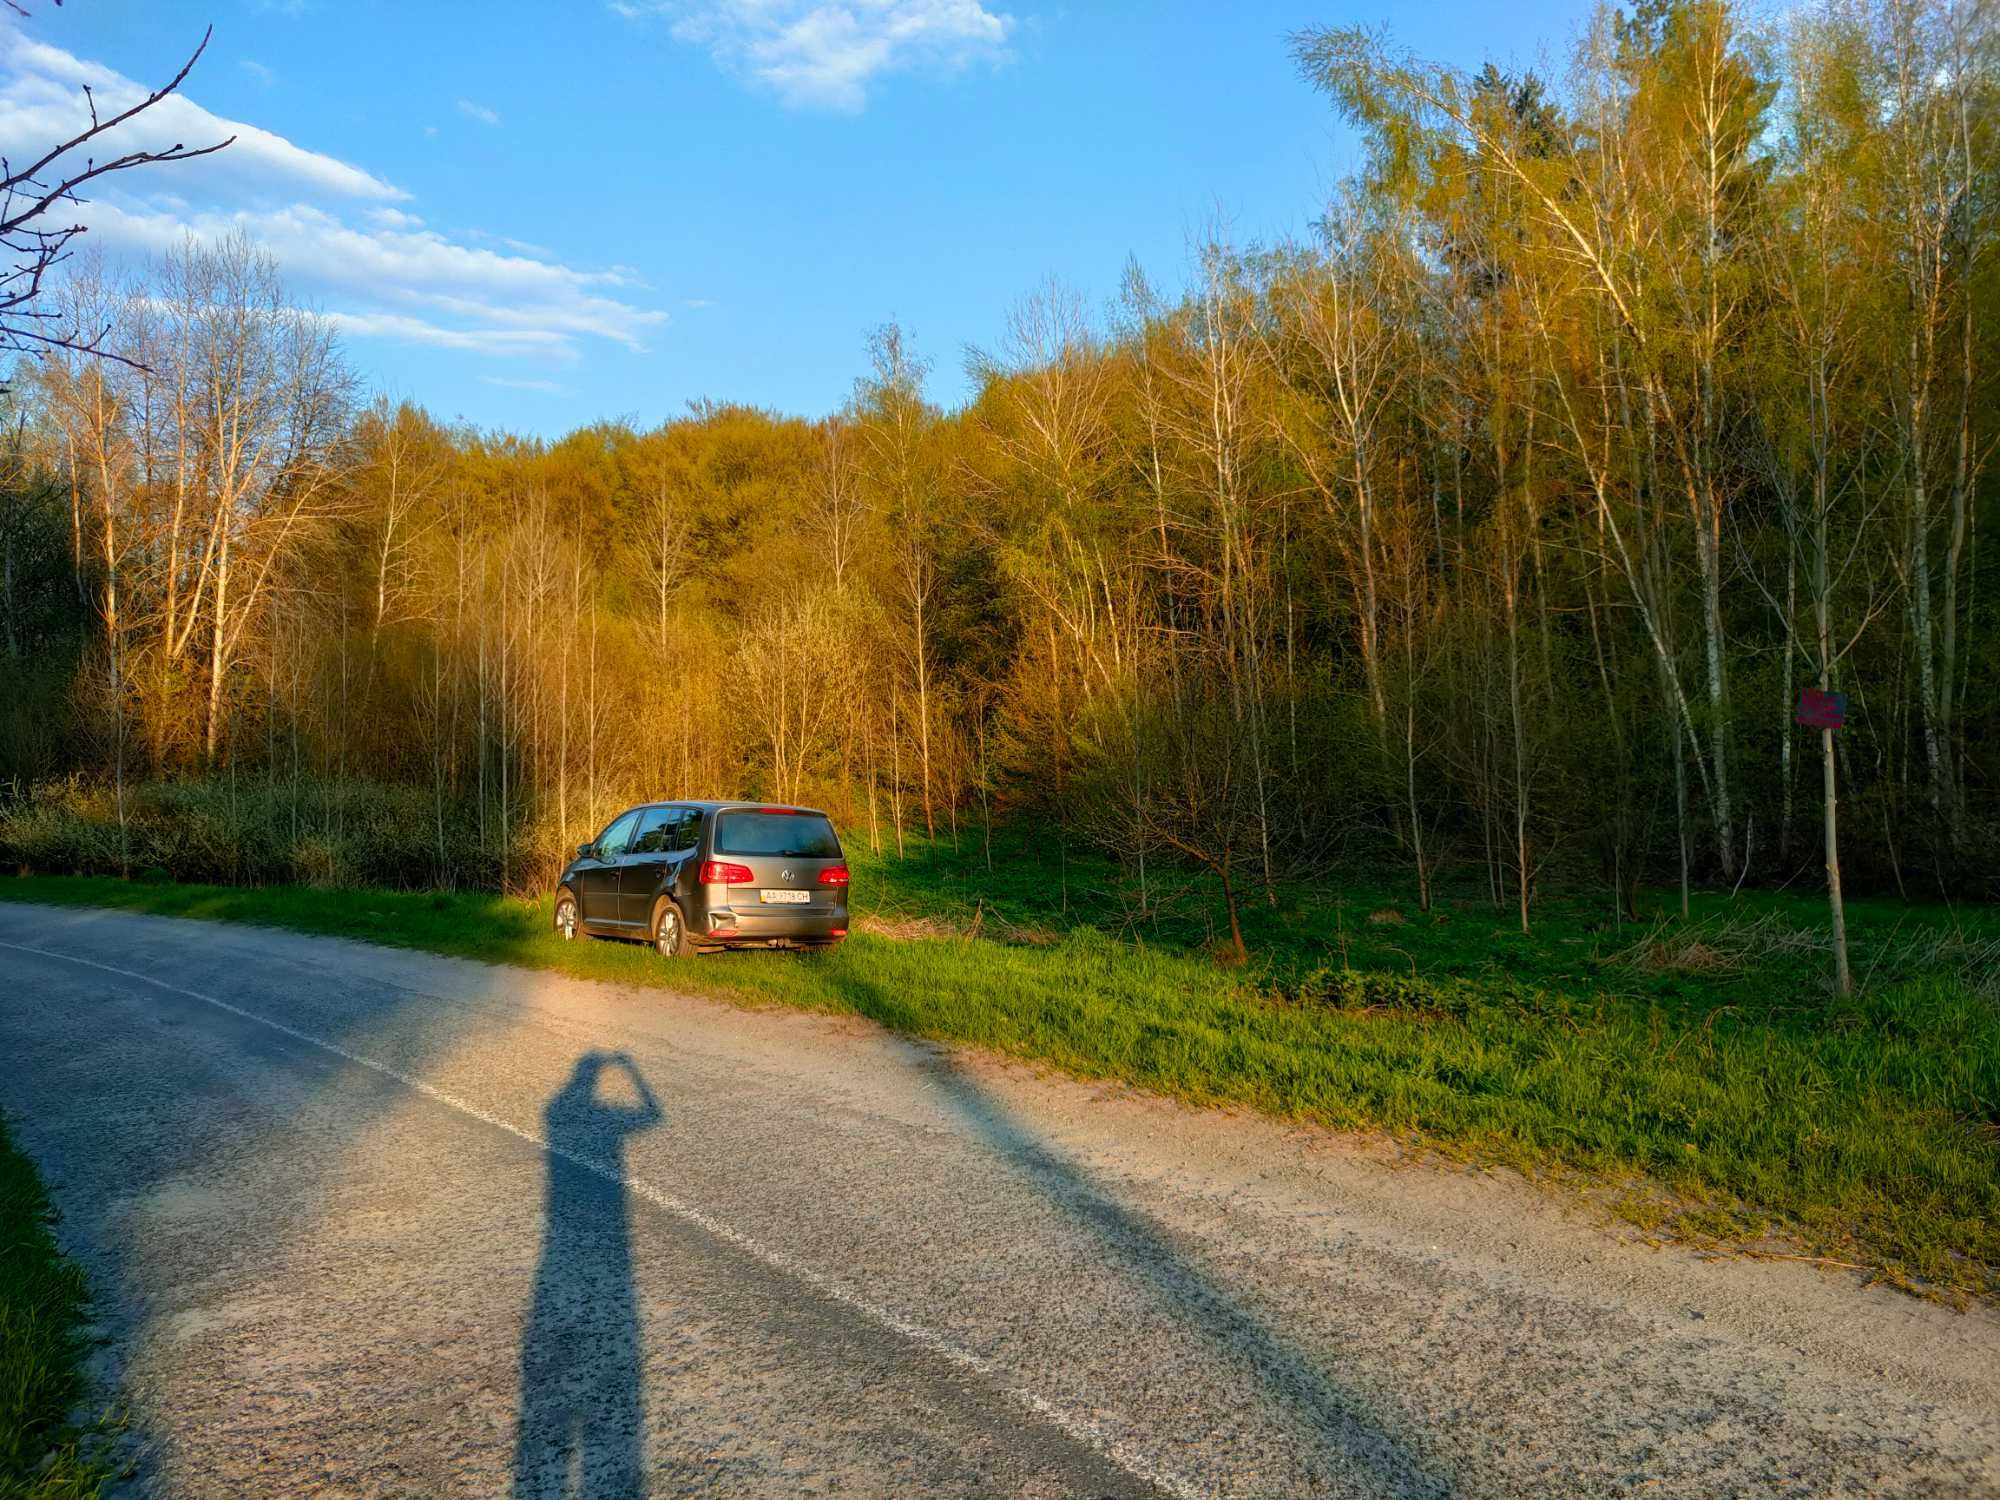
716, 872
723, 932
833, 875
837, 931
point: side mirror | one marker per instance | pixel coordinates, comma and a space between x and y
583, 849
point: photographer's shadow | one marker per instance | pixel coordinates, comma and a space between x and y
582, 1412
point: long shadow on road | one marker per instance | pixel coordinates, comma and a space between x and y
583, 1400
189, 1145
1352, 1439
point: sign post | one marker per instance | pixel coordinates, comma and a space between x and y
1821, 708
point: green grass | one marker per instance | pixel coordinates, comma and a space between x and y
1319, 924
42, 1345
1704, 1068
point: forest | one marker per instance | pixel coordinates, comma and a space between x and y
1490, 536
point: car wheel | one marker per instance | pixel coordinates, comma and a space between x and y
670, 934
566, 922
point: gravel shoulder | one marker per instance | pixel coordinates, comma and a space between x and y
372, 1221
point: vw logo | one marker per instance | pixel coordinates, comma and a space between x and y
784, 874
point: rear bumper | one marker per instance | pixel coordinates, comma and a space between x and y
750, 923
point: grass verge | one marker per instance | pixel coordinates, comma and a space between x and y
42, 1345
1737, 1102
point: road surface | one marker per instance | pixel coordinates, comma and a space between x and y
370, 1222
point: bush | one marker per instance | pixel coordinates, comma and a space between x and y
257, 832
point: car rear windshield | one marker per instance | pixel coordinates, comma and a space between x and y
787, 835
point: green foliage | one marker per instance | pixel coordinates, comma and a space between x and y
1352, 989
43, 1340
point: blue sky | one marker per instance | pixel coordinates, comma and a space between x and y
533, 215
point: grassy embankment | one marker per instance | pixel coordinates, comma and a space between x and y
42, 1345
1704, 1068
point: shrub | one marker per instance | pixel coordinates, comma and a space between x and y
257, 832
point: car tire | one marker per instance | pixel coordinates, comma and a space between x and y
669, 930
568, 920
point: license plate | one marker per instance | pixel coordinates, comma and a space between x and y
785, 898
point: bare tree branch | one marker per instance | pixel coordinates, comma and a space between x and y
28, 194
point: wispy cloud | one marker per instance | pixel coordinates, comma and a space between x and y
827, 52
343, 236
485, 288
483, 113
522, 247
260, 75
507, 342
546, 387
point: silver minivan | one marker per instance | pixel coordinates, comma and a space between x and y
697, 877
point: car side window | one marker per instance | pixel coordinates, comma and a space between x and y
687, 832
611, 843
656, 831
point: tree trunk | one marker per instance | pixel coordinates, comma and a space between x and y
1788, 695
217, 647
1240, 952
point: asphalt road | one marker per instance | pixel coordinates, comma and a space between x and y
367, 1222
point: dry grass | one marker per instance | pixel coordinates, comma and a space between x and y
1974, 960
907, 927
1723, 946
1679, 953
911, 929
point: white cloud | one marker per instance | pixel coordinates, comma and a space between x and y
41, 100
484, 114
484, 287
333, 228
508, 342
547, 387
827, 52
260, 75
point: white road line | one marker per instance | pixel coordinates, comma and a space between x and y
1082, 1429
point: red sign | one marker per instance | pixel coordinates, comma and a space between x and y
1819, 709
